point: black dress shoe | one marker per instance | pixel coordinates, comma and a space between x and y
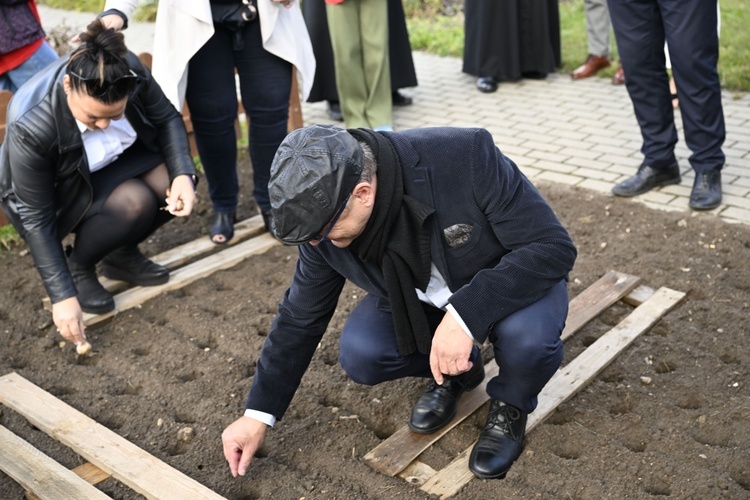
486, 84
647, 178
222, 225
92, 296
400, 99
500, 443
334, 111
706, 191
437, 405
129, 264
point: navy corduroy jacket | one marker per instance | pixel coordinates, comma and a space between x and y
516, 251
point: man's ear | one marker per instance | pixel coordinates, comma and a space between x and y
365, 193
66, 84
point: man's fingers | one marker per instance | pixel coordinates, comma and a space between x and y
435, 367
245, 459
232, 452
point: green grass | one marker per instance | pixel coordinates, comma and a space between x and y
8, 237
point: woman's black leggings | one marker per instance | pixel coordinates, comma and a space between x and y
128, 216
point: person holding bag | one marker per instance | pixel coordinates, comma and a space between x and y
198, 46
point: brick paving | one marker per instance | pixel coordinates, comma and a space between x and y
578, 133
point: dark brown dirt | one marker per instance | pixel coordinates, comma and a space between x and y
187, 358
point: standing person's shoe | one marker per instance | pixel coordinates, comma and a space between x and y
486, 84
92, 296
646, 179
706, 192
619, 76
500, 443
590, 67
334, 111
221, 229
130, 265
400, 99
437, 405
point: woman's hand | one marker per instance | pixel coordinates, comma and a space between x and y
181, 196
68, 319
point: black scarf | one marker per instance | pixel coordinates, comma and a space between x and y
396, 239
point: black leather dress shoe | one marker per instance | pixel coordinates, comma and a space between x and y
706, 191
437, 405
646, 179
92, 296
400, 99
500, 443
486, 84
129, 264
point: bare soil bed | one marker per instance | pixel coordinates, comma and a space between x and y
187, 358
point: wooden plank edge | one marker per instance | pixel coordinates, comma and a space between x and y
395, 453
183, 276
126, 462
38, 474
177, 256
409, 445
597, 297
88, 472
569, 380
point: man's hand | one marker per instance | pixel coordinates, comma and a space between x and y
181, 196
241, 440
68, 319
451, 349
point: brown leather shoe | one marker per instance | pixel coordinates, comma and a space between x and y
619, 77
589, 68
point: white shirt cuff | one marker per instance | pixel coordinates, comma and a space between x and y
458, 319
261, 416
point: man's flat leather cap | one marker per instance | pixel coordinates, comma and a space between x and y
314, 170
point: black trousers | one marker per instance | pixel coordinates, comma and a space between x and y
689, 28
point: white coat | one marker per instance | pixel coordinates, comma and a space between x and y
183, 26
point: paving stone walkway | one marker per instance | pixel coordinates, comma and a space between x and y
581, 133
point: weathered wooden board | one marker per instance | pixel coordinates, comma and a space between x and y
40, 474
179, 255
569, 380
183, 276
114, 455
395, 453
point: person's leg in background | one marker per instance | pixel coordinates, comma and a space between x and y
16, 77
265, 85
691, 30
374, 31
211, 96
597, 34
639, 30
359, 36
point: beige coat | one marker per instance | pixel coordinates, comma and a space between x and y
183, 26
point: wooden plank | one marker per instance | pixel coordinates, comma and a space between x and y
417, 473
113, 454
295, 120
395, 453
183, 276
90, 473
569, 380
38, 473
179, 255
588, 304
639, 295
